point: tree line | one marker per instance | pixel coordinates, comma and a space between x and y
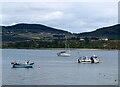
90, 44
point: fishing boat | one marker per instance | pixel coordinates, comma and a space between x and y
22, 65
66, 52
92, 59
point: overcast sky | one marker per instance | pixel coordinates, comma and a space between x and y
71, 16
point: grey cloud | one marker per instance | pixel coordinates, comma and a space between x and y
72, 16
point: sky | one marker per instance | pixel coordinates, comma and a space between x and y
75, 17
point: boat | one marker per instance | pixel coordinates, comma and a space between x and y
65, 53
22, 65
91, 59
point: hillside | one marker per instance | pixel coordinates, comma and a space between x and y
33, 28
38, 32
21, 32
111, 32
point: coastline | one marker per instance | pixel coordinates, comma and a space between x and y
61, 49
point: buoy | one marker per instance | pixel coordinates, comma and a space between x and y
39, 67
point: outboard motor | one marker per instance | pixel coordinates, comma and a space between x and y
92, 60
78, 61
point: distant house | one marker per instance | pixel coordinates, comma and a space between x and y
104, 39
82, 39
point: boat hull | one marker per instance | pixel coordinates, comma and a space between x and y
90, 62
64, 55
91, 59
23, 66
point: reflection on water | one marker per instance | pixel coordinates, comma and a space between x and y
49, 69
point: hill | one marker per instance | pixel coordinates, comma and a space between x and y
33, 28
21, 32
111, 32
28, 32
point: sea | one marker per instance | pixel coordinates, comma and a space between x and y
50, 69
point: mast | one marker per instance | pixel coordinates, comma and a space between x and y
66, 45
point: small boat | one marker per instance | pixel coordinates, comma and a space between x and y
63, 54
20, 65
92, 59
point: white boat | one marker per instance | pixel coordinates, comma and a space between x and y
92, 59
65, 53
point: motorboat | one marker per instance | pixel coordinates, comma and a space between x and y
91, 59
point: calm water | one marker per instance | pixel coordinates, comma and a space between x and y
59, 70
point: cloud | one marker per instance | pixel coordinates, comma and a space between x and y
53, 16
71, 16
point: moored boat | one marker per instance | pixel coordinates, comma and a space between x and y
24, 65
92, 59
63, 54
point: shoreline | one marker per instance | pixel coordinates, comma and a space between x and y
61, 49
